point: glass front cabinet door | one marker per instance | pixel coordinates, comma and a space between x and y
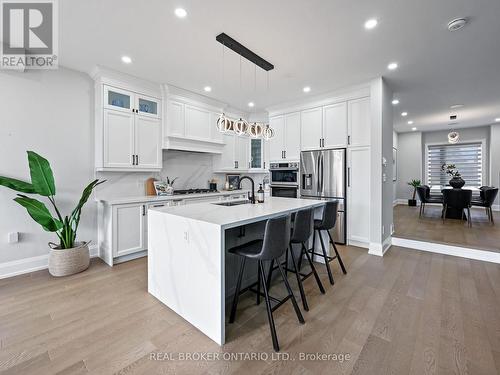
256, 154
147, 106
118, 99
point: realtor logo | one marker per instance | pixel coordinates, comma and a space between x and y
29, 34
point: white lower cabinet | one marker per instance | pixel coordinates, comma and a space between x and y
129, 235
358, 196
123, 227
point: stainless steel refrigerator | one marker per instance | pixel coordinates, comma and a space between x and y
323, 176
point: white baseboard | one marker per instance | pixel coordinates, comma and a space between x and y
27, 265
458, 251
379, 249
362, 244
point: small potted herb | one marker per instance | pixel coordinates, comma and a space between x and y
414, 184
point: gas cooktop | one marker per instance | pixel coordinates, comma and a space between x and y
194, 191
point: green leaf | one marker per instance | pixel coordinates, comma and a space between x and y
85, 196
17, 185
41, 175
39, 213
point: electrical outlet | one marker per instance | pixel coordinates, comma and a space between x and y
13, 237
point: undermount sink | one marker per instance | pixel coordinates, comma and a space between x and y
237, 203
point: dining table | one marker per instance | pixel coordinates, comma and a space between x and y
451, 212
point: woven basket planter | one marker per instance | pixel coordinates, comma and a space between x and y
65, 262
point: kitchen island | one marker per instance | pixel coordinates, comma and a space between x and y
187, 259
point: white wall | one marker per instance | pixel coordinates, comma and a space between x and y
381, 213
49, 112
409, 162
495, 158
395, 183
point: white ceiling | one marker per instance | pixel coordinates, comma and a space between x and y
319, 43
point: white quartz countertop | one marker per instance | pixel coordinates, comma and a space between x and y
163, 198
233, 216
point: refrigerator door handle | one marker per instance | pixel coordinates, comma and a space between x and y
322, 172
349, 176
317, 177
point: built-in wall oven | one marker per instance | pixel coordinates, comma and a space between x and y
284, 179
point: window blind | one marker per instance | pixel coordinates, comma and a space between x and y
468, 159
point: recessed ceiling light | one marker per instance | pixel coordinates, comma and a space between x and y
410, 122
207, 88
306, 89
392, 66
457, 24
126, 60
180, 12
404, 114
251, 104
413, 129
395, 102
497, 119
455, 106
371, 24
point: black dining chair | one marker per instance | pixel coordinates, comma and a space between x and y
486, 199
459, 199
271, 248
424, 194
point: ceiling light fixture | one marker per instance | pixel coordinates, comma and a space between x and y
456, 106
306, 89
404, 114
126, 60
457, 24
371, 24
251, 104
395, 102
453, 137
497, 119
392, 66
410, 122
180, 12
413, 129
207, 88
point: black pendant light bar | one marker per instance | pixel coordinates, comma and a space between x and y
240, 49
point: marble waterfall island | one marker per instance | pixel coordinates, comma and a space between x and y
188, 267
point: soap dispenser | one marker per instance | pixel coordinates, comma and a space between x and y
260, 194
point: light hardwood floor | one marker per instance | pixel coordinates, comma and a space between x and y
409, 312
430, 227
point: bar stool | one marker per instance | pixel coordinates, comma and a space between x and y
327, 223
301, 232
272, 247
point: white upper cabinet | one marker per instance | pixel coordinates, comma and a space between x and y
147, 148
197, 123
234, 153
292, 136
227, 158
277, 144
359, 122
175, 119
241, 149
256, 154
118, 147
192, 126
311, 129
335, 125
128, 130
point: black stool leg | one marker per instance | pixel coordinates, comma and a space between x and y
258, 286
292, 297
270, 275
313, 269
237, 292
299, 280
325, 256
337, 253
269, 309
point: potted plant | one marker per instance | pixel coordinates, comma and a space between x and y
68, 257
414, 184
456, 181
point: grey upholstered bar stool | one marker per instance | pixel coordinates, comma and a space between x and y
271, 248
327, 223
301, 232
